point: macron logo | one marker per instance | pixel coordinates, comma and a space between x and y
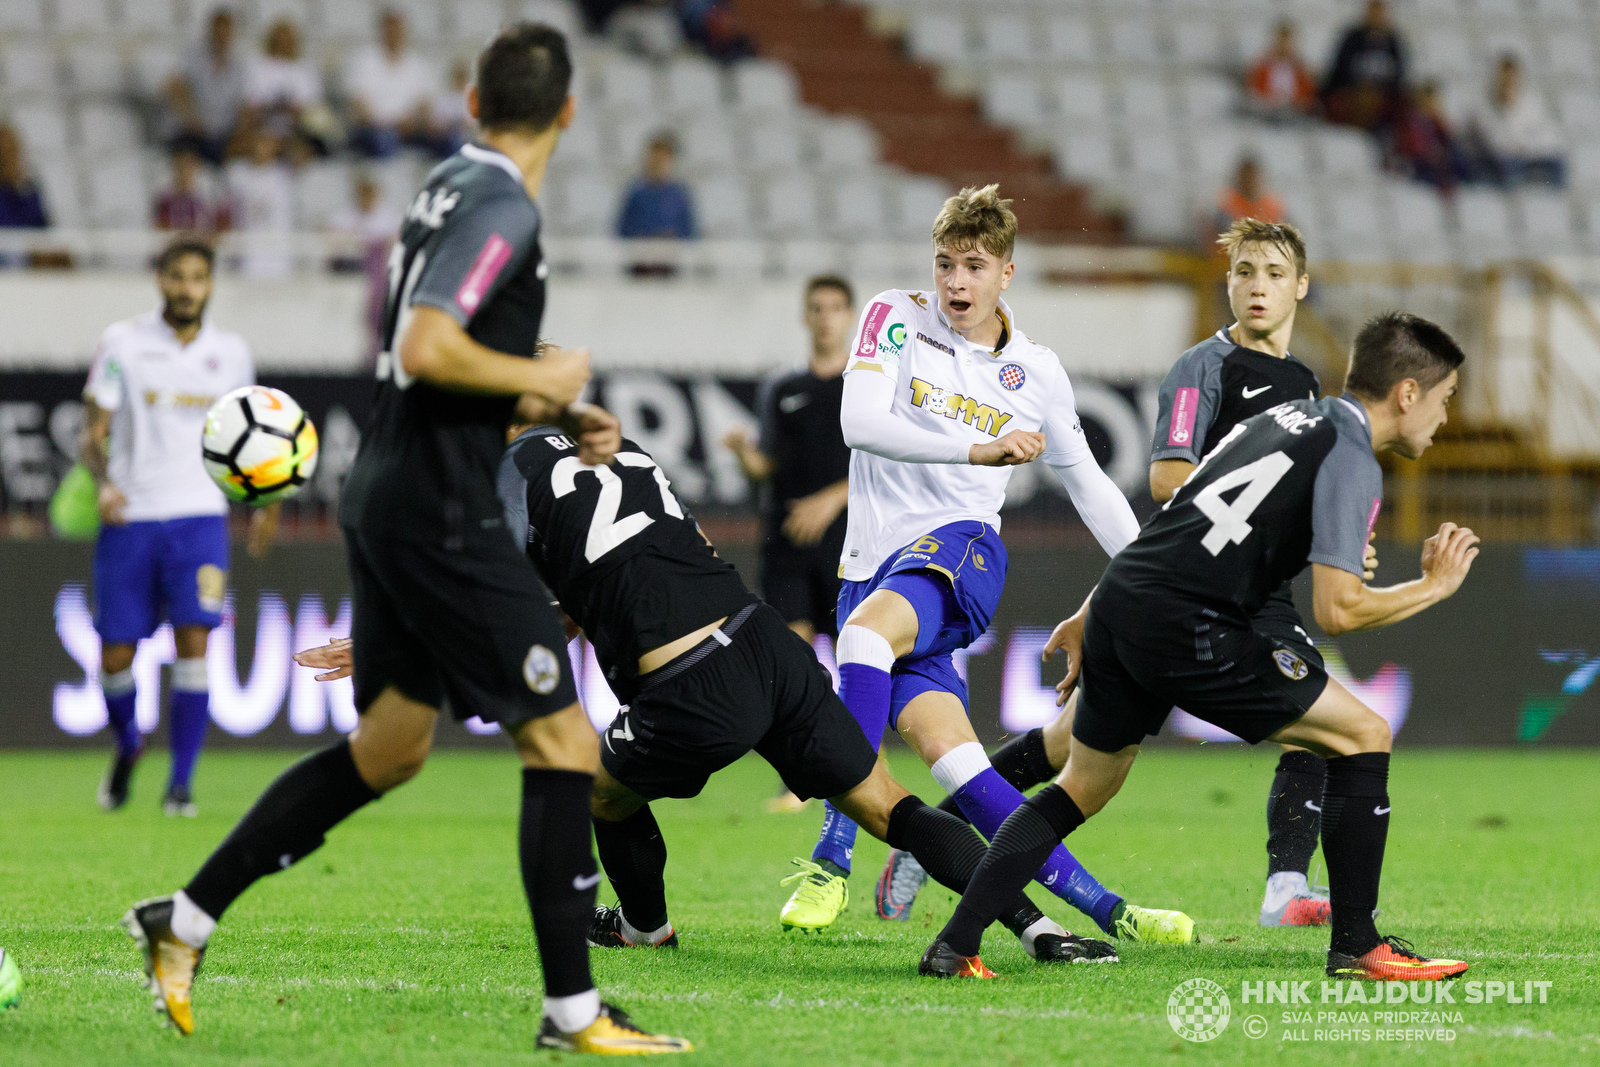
486, 268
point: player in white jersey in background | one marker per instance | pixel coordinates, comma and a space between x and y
162, 551
942, 395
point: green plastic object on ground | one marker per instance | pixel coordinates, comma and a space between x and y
10, 981
75, 508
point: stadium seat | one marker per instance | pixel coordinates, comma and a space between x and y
628, 132
82, 16
857, 210
1583, 167
790, 207
1133, 39
917, 201
722, 208
939, 35
153, 64
399, 177
1155, 152
151, 17
424, 18
763, 87
1209, 97
1282, 154
1071, 39
623, 81
843, 145
1580, 112
1216, 148
1569, 57
43, 129
29, 69
267, 12
1420, 230
1347, 154
1445, 52
63, 196
1082, 100
691, 87
1358, 224
476, 21
106, 128
322, 189
1007, 38
1087, 155
95, 70
706, 146
585, 204
1162, 210
1014, 99
770, 147
350, 21
561, 14
1145, 101
1200, 42
582, 145
1548, 226
21, 16
1483, 218
119, 196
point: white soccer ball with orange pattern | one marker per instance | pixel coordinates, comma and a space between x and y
259, 446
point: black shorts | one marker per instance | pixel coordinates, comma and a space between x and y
473, 626
802, 584
1243, 680
754, 685
1280, 620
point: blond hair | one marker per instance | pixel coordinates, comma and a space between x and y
975, 218
1249, 231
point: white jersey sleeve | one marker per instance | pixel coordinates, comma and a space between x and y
867, 414
105, 384
1100, 503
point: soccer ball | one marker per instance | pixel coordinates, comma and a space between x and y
258, 445
10, 981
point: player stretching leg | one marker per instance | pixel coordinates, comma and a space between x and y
163, 544
446, 607
805, 465
1171, 623
1217, 384
943, 394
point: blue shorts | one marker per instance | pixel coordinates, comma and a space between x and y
971, 559
147, 571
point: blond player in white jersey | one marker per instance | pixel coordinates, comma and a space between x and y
162, 552
943, 395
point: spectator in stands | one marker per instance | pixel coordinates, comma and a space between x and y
1515, 138
21, 206
1244, 198
283, 90
203, 99
183, 205
649, 28
714, 26
1426, 146
1365, 87
1279, 85
262, 191
391, 92
658, 205
452, 124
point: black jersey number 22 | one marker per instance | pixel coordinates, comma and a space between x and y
606, 531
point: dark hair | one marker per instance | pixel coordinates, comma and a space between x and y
1395, 346
832, 281
185, 244
523, 77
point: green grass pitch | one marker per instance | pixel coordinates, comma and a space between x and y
405, 939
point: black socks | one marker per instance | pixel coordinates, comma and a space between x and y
286, 824
1019, 848
1021, 761
634, 857
1355, 826
949, 850
559, 874
1292, 811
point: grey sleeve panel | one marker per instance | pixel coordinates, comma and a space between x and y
1345, 503
767, 411
513, 490
476, 255
1188, 402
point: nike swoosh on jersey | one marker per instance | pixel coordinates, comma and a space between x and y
791, 404
590, 882
1248, 393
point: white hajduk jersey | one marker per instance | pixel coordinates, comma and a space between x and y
159, 391
964, 391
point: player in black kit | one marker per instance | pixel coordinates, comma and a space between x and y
447, 612
707, 673
1171, 623
1230, 376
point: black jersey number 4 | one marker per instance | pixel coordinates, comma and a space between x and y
606, 531
1230, 522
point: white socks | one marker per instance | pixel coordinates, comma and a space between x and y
857, 644
1283, 887
189, 675
571, 1014
191, 925
959, 766
1045, 925
114, 685
635, 936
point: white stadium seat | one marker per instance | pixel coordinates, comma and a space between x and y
627, 82
762, 86
1570, 57
1358, 224
917, 202
347, 20
1483, 218
583, 144
627, 133
476, 21
151, 17
707, 146
561, 14
1082, 99
104, 128
21, 16
1282, 154
424, 18
844, 144
1583, 167
1347, 154
939, 36
42, 128
119, 196
63, 192
155, 62
1420, 230
1145, 101
722, 208
771, 147
1133, 40
1086, 155
1200, 43
1580, 112
82, 16
1548, 226
692, 86
1013, 99
1162, 210
95, 69
1071, 39
1008, 37
322, 189
857, 210
790, 207
1155, 152
1209, 97
28, 68
585, 204
1217, 148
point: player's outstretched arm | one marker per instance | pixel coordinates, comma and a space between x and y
92, 454
1167, 477
1100, 503
1342, 602
334, 659
436, 349
869, 423
1068, 637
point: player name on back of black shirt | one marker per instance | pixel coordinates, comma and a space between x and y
623, 556
469, 247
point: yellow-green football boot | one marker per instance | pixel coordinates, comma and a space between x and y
818, 900
1152, 925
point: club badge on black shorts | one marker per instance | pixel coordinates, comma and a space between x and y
1291, 665
542, 671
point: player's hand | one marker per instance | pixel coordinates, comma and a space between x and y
263, 528
563, 372
112, 505
597, 431
1016, 447
1066, 637
1369, 564
1447, 556
334, 659
810, 517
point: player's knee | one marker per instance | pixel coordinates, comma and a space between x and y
114, 659
1373, 734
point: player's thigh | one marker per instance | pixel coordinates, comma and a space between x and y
934, 722
870, 804
1058, 733
386, 654
1251, 686
1116, 707
612, 801
194, 570
127, 582
392, 740
1338, 724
